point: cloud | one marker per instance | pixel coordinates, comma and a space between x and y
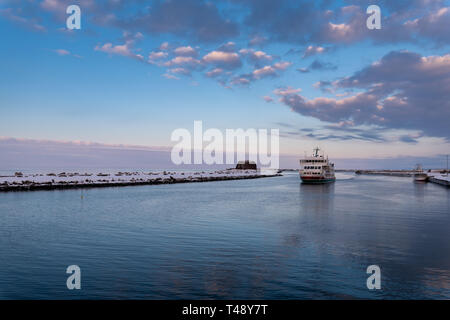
220, 64
170, 76
193, 19
268, 99
164, 46
14, 15
186, 51
423, 20
319, 65
347, 130
344, 32
317, 23
59, 6
181, 65
188, 62
313, 50
408, 139
62, 52
303, 70
157, 56
230, 46
214, 73
98, 12
321, 135
434, 26
403, 90
257, 57
299, 22
286, 91
223, 59
270, 70
125, 49
257, 41
182, 71
264, 72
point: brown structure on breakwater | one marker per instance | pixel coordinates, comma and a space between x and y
246, 165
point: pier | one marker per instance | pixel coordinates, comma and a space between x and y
433, 176
440, 179
394, 173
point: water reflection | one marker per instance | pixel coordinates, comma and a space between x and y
314, 205
317, 198
419, 190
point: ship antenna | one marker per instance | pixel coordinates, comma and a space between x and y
316, 152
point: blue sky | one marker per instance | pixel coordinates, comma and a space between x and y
137, 70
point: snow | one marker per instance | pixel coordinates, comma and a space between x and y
440, 176
122, 177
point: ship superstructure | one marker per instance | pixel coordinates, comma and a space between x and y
316, 169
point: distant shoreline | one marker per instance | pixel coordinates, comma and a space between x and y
390, 172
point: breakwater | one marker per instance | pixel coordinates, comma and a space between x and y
440, 179
434, 176
63, 180
395, 173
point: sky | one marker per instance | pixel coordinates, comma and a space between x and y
137, 70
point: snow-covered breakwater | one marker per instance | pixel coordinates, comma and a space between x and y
439, 178
68, 180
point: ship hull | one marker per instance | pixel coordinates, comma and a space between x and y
316, 180
420, 177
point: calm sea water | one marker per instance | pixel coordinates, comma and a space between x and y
268, 238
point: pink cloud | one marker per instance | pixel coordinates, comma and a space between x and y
403, 90
223, 58
214, 73
268, 99
185, 51
256, 56
62, 52
125, 49
270, 70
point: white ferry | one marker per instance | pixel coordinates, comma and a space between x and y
316, 169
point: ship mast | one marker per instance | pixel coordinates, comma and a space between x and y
316, 152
